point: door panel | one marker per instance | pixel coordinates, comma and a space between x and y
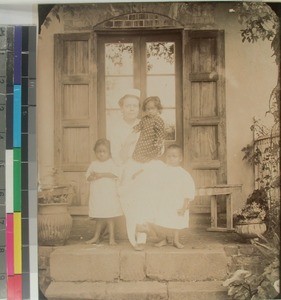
75, 109
205, 112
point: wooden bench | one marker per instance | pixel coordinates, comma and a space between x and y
213, 192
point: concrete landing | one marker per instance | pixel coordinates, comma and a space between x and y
104, 263
146, 290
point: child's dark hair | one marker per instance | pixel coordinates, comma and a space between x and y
175, 146
103, 142
155, 100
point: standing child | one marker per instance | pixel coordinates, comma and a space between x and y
178, 191
104, 204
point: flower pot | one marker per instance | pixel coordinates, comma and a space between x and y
250, 230
54, 224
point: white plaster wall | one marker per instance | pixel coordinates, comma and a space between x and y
45, 101
251, 75
250, 72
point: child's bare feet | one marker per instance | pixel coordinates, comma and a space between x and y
93, 241
161, 243
139, 247
112, 243
178, 245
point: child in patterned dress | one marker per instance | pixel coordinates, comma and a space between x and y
104, 203
150, 144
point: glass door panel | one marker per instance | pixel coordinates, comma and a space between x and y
119, 76
150, 62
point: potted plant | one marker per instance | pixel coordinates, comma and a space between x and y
249, 222
54, 220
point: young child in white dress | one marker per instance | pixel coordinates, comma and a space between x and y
104, 203
178, 190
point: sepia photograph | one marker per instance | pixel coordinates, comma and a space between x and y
158, 145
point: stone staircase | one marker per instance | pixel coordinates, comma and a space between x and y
101, 272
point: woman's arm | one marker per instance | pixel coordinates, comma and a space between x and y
105, 175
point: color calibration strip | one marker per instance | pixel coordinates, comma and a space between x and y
18, 175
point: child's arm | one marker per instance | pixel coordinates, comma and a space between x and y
138, 127
96, 176
185, 206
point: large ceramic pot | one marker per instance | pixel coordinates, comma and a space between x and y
54, 224
250, 230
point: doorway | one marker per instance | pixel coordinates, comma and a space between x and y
149, 61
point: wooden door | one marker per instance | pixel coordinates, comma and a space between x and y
204, 110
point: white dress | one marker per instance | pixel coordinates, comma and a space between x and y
140, 196
177, 186
118, 132
104, 200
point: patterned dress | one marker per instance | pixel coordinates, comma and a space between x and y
151, 140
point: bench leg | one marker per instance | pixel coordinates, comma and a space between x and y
229, 212
214, 212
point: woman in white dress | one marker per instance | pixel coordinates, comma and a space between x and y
122, 147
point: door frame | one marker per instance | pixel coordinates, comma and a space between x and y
146, 35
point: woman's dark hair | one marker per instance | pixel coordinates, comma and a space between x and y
103, 142
155, 100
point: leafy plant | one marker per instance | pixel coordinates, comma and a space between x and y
264, 154
247, 285
56, 194
255, 209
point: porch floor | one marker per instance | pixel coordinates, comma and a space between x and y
193, 238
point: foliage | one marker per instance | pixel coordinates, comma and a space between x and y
56, 194
255, 210
264, 154
260, 23
247, 285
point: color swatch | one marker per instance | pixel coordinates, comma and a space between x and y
18, 183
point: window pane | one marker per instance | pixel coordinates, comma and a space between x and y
164, 88
160, 58
169, 117
115, 88
119, 59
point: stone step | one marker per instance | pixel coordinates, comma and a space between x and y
141, 290
93, 263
